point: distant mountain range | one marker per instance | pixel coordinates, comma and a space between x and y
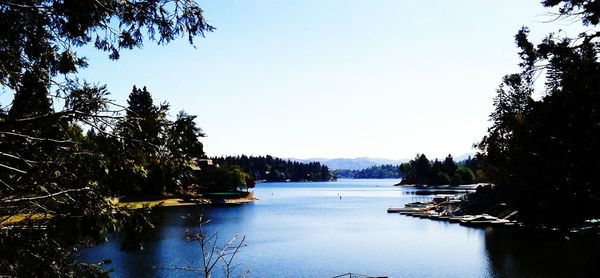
463, 157
360, 163
352, 163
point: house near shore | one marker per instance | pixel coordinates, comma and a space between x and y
202, 163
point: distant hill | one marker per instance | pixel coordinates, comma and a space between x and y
352, 163
464, 156
361, 163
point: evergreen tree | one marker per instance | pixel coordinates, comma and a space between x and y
31, 97
183, 137
377, 172
422, 169
144, 123
542, 154
274, 169
46, 168
449, 166
439, 174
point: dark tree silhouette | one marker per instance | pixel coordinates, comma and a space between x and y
542, 155
48, 167
422, 171
373, 172
273, 169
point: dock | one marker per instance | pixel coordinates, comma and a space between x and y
449, 209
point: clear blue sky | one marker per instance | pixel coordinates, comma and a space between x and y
335, 78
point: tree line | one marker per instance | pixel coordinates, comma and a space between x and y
273, 169
387, 171
422, 171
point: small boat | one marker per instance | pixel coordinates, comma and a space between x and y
394, 209
424, 213
482, 220
459, 218
402, 210
409, 208
416, 205
442, 216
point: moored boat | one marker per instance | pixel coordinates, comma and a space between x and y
482, 220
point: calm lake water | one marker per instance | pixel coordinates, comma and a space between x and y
307, 230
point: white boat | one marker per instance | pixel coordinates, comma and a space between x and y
404, 210
416, 205
460, 218
410, 207
400, 209
482, 220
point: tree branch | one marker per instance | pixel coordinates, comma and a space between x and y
35, 138
10, 201
12, 168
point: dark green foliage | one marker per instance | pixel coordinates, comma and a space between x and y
464, 175
379, 172
44, 34
373, 172
47, 165
272, 169
144, 122
150, 155
471, 163
421, 171
449, 166
543, 155
183, 137
142, 132
225, 179
83, 170
417, 171
31, 97
344, 173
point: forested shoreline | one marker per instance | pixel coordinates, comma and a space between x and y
422, 171
273, 169
387, 171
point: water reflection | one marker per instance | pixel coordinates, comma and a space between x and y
306, 230
427, 192
514, 252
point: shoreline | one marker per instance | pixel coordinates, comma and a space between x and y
141, 202
472, 186
171, 201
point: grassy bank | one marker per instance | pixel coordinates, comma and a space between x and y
221, 198
172, 201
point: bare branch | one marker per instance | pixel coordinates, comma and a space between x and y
29, 162
6, 184
12, 168
228, 262
35, 138
66, 191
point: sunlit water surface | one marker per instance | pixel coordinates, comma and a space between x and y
330, 228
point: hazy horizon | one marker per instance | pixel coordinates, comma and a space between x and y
455, 156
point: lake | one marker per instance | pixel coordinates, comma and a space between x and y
324, 229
